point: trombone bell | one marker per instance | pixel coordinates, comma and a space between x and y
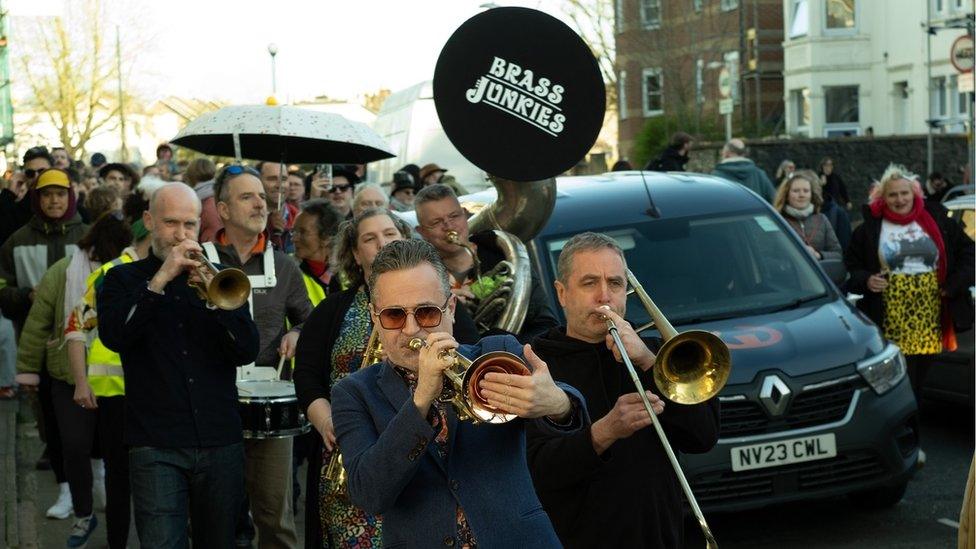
692, 367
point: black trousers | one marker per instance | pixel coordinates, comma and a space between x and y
77, 427
111, 425
918, 369
47, 427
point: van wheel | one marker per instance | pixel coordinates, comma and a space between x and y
879, 498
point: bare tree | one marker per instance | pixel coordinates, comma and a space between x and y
593, 20
71, 75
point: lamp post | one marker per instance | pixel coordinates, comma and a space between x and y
273, 51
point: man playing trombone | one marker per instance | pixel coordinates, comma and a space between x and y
434, 478
610, 485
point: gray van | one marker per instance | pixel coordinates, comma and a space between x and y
817, 403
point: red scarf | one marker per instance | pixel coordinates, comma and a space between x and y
918, 214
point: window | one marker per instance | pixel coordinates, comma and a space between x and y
938, 6
960, 5
841, 111
840, 15
762, 266
653, 92
619, 16
650, 11
799, 18
622, 94
732, 62
729, 5
697, 5
800, 102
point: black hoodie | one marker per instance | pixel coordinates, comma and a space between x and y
629, 496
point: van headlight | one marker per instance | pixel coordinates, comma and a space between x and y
884, 370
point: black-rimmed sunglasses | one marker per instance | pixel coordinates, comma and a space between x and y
427, 316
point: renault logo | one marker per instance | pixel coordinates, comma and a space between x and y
774, 395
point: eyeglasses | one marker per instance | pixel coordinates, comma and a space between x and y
31, 174
427, 316
237, 169
446, 223
340, 188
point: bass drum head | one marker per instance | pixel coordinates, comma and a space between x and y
519, 94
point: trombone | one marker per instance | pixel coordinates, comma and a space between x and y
691, 367
227, 288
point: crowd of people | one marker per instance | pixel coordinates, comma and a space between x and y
135, 368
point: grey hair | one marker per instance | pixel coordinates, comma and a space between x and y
736, 147
406, 254
181, 187
359, 191
433, 193
584, 242
347, 236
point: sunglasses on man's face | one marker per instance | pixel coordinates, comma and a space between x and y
31, 174
427, 316
340, 188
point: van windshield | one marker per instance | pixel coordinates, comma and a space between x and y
699, 269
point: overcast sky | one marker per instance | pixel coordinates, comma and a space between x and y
218, 49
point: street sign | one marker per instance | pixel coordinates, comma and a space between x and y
961, 54
725, 82
725, 106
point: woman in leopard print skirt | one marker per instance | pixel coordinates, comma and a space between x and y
914, 266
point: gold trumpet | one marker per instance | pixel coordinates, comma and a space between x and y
462, 379
227, 289
335, 473
691, 367
455, 238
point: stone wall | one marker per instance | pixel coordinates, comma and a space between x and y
858, 160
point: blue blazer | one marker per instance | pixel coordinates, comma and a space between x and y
394, 469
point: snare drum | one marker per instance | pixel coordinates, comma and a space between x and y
269, 409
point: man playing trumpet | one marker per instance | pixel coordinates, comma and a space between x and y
437, 480
182, 425
611, 484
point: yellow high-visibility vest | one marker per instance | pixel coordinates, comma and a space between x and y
105, 374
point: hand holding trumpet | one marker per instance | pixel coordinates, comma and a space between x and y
176, 262
531, 396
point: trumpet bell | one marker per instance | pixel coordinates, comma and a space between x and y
496, 361
229, 289
692, 367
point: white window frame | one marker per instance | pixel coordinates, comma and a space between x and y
622, 94
843, 31
654, 71
619, 16
729, 5
940, 97
796, 7
646, 23
944, 9
800, 98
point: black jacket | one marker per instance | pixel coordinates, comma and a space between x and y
862, 261
669, 161
539, 317
629, 496
179, 356
835, 187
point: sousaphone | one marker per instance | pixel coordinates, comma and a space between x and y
520, 95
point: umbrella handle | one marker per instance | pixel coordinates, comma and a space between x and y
237, 147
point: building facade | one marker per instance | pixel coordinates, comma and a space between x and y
854, 67
669, 54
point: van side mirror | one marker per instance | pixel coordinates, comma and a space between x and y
835, 269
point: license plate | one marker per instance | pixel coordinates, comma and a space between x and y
783, 452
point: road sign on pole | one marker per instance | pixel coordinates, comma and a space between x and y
725, 83
961, 54
725, 106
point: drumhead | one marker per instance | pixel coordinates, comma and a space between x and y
269, 388
519, 94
